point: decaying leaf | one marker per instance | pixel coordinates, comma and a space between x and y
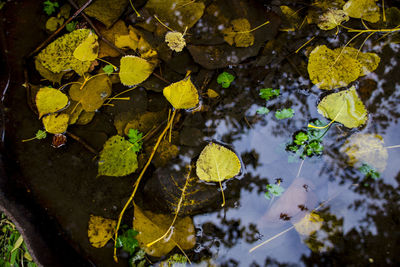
331, 19
344, 107
53, 23
93, 94
47, 74
177, 14
309, 224
165, 153
216, 163
117, 158
85, 117
119, 28
88, 50
134, 70
238, 33
363, 9
175, 41
151, 226
329, 69
49, 100
100, 230
366, 149
291, 18
145, 122
58, 55
182, 94
105, 11
56, 123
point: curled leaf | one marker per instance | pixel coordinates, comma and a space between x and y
49, 100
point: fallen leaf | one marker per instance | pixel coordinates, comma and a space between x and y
145, 122
366, 149
164, 154
216, 163
134, 70
85, 117
182, 94
344, 107
53, 23
369, 61
88, 50
291, 18
49, 100
362, 9
100, 230
117, 158
331, 19
105, 11
93, 94
151, 226
119, 28
237, 34
47, 74
212, 94
56, 123
175, 41
309, 224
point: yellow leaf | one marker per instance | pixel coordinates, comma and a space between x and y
49, 100
175, 41
92, 95
124, 41
119, 28
88, 49
292, 18
331, 19
212, 94
100, 230
56, 124
344, 107
151, 226
366, 148
238, 34
53, 23
47, 74
134, 70
217, 163
182, 94
309, 224
363, 9
369, 61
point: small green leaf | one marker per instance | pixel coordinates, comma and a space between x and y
50, 7
292, 148
128, 241
369, 171
314, 148
284, 113
225, 79
273, 190
300, 138
41, 134
135, 137
263, 111
71, 26
269, 93
108, 69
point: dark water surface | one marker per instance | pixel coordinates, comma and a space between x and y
361, 217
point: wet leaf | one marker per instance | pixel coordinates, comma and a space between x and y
117, 158
216, 163
285, 113
182, 94
56, 123
309, 224
135, 138
164, 154
105, 11
344, 107
263, 111
151, 226
238, 33
331, 19
369, 171
273, 190
175, 41
268, 93
41, 134
85, 117
362, 9
119, 28
225, 79
366, 149
145, 122
369, 61
128, 241
47, 74
58, 55
53, 23
212, 94
108, 69
93, 94
88, 49
100, 230
49, 100
291, 18
134, 70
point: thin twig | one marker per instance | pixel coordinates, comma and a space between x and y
79, 140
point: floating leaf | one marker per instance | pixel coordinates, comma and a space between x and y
217, 163
100, 230
151, 226
263, 111
117, 158
369, 61
332, 18
134, 70
268, 93
225, 79
175, 41
49, 100
58, 55
56, 123
309, 224
362, 9
285, 113
366, 149
88, 50
369, 171
238, 33
182, 94
93, 94
344, 107
273, 190
105, 11
41, 134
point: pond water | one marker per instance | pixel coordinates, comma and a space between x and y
357, 216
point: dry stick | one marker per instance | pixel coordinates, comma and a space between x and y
59, 29
138, 181
86, 145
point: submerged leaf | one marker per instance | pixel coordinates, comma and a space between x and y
134, 70
151, 226
117, 158
344, 107
309, 224
100, 230
238, 33
88, 50
366, 149
49, 100
175, 41
362, 9
182, 94
56, 123
285, 113
216, 163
